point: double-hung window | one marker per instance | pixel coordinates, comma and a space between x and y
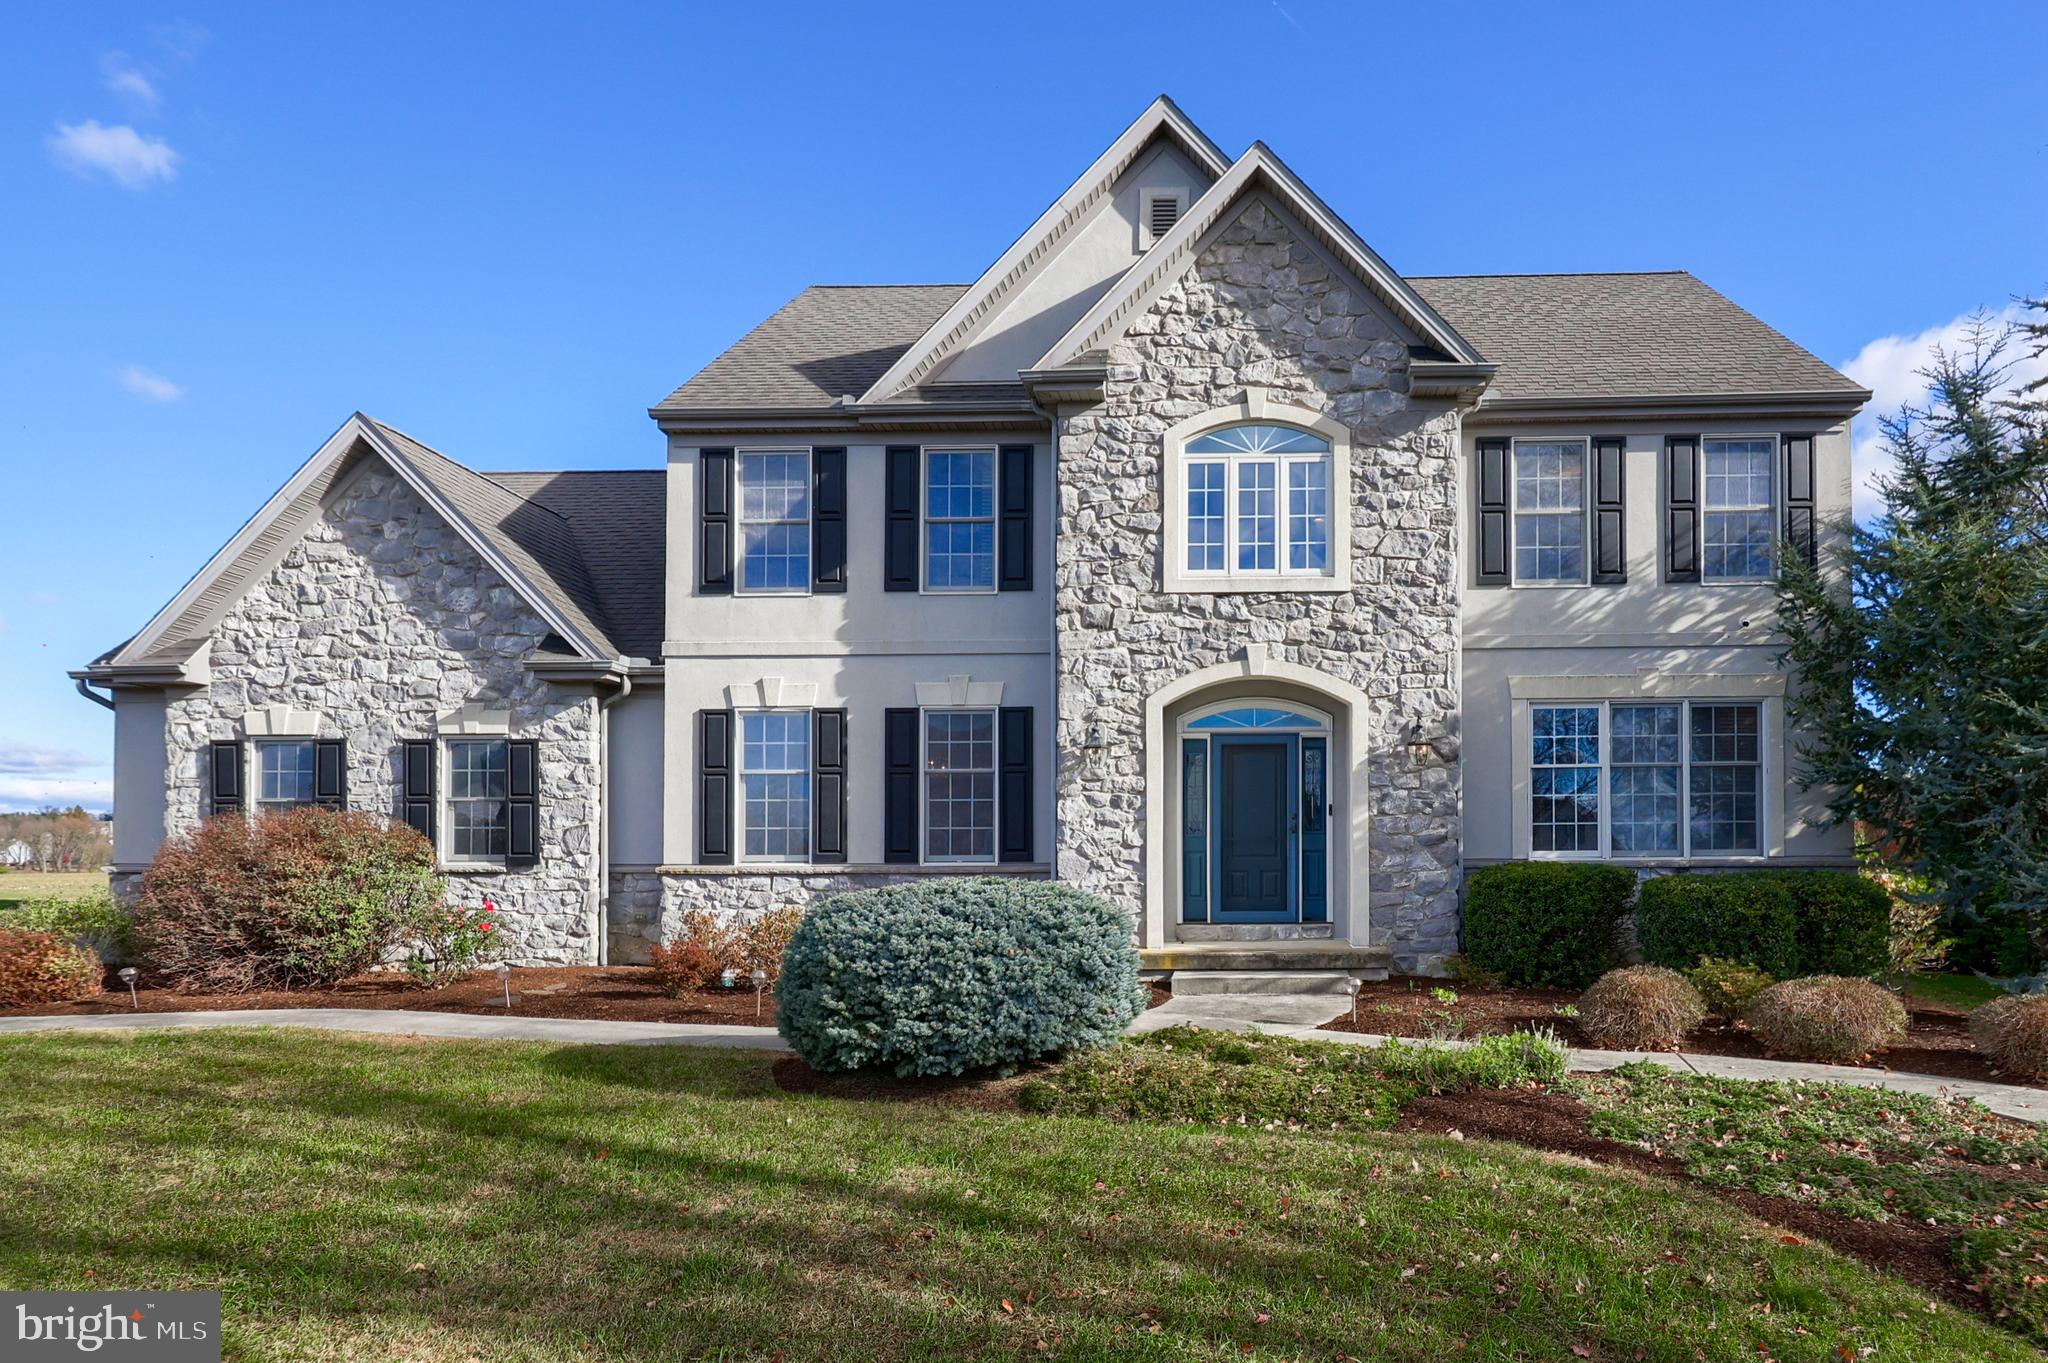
284, 773
1257, 502
959, 785
1550, 512
479, 817
1646, 779
775, 520
775, 785
959, 520
1740, 535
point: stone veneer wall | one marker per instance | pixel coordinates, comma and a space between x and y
647, 906
1260, 307
381, 618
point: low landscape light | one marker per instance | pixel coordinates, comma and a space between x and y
505, 982
127, 974
760, 979
728, 977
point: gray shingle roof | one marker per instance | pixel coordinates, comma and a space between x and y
827, 341
619, 519
1621, 335
1561, 336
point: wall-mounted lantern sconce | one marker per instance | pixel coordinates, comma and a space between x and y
1094, 740
1420, 749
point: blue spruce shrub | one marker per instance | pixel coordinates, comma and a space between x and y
957, 974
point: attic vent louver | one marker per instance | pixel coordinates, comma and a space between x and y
1162, 213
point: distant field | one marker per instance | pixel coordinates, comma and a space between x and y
19, 885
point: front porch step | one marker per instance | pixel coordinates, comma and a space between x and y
1190, 983
1255, 932
1372, 963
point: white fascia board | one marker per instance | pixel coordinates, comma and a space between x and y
330, 452
959, 321
1173, 253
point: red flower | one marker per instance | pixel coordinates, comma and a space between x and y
483, 927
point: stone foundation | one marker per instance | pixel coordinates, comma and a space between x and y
647, 906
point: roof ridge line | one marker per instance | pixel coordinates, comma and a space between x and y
1553, 274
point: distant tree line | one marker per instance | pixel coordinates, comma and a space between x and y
55, 840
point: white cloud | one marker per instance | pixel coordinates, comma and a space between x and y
35, 792
130, 159
29, 759
1889, 367
128, 80
149, 385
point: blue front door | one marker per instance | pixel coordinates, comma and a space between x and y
1255, 830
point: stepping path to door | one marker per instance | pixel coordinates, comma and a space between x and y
1278, 1015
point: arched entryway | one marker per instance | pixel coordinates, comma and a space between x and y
1256, 820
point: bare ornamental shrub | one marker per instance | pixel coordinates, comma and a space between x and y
41, 967
1643, 1007
1826, 1018
2013, 1032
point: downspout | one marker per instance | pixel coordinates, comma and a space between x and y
600, 934
1052, 629
85, 689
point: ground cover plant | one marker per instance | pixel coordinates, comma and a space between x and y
1875, 1154
441, 1201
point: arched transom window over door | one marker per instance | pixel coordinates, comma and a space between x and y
1257, 502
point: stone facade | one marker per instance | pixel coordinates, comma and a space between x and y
381, 619
647, 906
1260, 307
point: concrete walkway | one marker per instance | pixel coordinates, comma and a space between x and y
1276, 1015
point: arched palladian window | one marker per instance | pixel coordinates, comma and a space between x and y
1255, 499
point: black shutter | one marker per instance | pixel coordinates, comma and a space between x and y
227, 778
522, 803
714, 787
1014, 794
1493, 513
1610, 511
330, 773
899, 545
1681, 508
1013, 538
714, 521
828, 785
828, 519
418, 805
899, 786
1799, 525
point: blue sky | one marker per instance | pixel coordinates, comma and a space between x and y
509, 231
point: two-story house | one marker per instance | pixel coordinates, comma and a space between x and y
1191, 555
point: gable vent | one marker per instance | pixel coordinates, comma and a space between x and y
1161, 214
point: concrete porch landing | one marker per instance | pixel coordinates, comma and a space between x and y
1370, 963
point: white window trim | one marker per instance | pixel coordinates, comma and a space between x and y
1776, 509
444, 802
995, 519
924, 769
1173, 536
739, 785
1764, 691
1148, 197
1515, 512
739, 520
252, 763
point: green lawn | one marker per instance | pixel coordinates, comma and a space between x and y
16, 886
1957, 991
432, 1200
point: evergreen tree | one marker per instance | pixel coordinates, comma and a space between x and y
1921, 649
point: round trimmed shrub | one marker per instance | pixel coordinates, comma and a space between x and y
1843, 921
1545, 922
1644, 1007
297, 899
1731, 916
42, 967
2013, 1032
1727, 986
954, 975
1826, 1017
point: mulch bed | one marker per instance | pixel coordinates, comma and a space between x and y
1937, 1035
1557, 1122
616, 993
622, 993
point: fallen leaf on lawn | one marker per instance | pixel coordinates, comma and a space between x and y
1009, 1307
1790, 1240
1260, 1317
